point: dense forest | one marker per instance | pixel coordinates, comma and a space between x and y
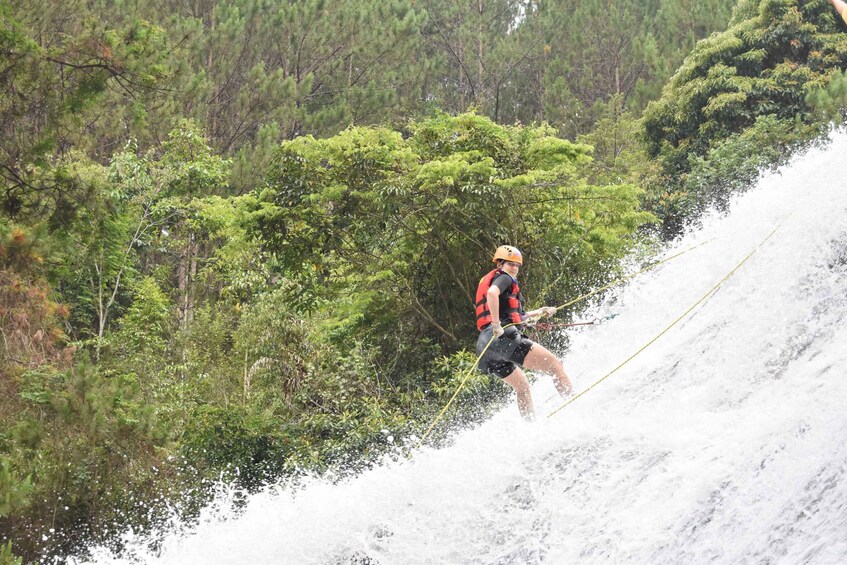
240, 239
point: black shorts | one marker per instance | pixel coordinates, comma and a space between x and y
504, 354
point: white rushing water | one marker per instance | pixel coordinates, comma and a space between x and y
724, 441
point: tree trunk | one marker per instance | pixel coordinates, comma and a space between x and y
617, 78
192, 275
461, 71
186, 271
246, 379
479, 48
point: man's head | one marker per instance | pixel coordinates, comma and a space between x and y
508, 253
509, 259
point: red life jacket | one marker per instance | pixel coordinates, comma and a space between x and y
511, 309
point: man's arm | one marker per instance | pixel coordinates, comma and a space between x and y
493, 297
543, 311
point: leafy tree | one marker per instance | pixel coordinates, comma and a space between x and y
154, 216
101, 239
86, 442
618, 153
405, 226
774, 53
254, 69
592, 52
58, 64
479, 50
140, 344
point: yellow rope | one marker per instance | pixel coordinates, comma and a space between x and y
672, 324
455, 394
571, 303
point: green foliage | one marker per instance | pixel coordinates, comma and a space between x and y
239, 443
85, 443
588, 53
98, 246
773, 55
830, 101
6, 555
618, 154
251, 73
145, 326
407, 226
139, 347
275, 347
102, 407
237, 264
188, 166
14, 492
53, 91
200, 366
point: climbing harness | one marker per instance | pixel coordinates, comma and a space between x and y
571, 303
710, 292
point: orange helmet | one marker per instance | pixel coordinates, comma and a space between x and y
508, 253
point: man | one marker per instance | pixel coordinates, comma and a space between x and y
499, 312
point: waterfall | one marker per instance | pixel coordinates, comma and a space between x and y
724, 441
